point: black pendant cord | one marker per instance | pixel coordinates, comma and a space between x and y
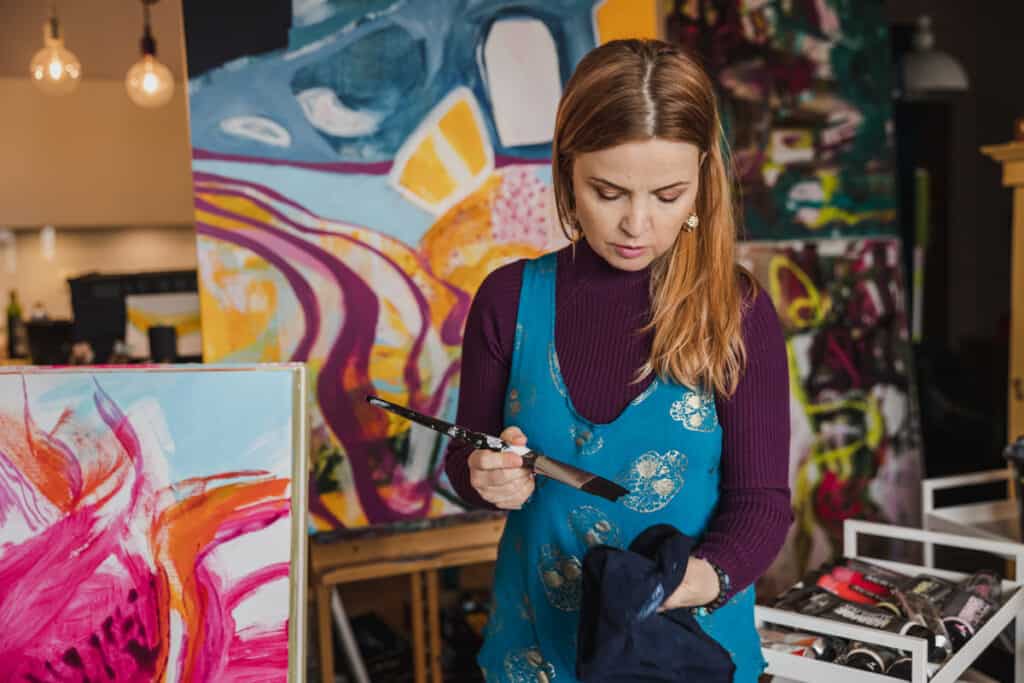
54, 23
148, 42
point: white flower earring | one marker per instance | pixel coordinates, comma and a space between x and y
691, 223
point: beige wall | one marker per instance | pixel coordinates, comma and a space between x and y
92, 158
113, 178
106, 250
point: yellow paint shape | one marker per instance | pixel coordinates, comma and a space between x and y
617, 19
337, 505
447, 157
832, 214
349, 511
459, 127
425, 176
226, 329
460, 246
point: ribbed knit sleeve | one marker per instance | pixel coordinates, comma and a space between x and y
754, 512
486, 363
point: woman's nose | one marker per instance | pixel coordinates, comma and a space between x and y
634, 223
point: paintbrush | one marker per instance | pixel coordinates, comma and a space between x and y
538, 462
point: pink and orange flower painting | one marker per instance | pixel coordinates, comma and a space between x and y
146, 526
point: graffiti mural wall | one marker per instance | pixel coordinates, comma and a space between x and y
805, 91
855, 450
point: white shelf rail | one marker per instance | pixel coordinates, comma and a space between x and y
966, 519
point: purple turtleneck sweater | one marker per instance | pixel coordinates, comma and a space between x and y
598, 310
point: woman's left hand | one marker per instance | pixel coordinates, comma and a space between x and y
698, 587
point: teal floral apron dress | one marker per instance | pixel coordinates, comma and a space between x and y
664, 447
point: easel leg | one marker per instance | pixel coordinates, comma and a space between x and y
323, 613
348, 640
434, 612
419, 657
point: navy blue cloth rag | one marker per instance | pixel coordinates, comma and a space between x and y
622, 637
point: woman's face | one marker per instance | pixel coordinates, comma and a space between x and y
632, 199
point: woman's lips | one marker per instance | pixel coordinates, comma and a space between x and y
629, 252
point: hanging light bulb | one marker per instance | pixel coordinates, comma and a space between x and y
55, 69
149, 83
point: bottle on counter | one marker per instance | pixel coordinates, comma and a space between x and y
17, 338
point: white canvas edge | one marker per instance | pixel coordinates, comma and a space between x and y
300, 537
142, 367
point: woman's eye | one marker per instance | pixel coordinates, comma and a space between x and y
668, 199
608, 196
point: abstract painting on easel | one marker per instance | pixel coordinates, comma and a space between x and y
146, 528
354, 186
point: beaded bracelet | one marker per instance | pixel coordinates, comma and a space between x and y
720, 599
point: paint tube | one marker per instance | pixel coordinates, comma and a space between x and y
936, 590
984, 583
816, 602
793, 594
860, 582
846, 591
903, 668
917, 608
873, 573
846, 583
963, 614
915, 604
989, 585
870, 657
824, 648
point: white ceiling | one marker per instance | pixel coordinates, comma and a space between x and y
104, 34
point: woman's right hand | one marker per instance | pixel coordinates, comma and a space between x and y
500, 478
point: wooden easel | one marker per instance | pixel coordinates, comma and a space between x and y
418, 554
1011, 156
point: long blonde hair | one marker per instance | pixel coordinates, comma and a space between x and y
630, 90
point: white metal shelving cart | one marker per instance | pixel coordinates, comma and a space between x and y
805, 669
998, 518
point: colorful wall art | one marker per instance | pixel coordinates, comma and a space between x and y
354, 186
152, 524
805, 91
855, 449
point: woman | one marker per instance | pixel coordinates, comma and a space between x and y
642, 353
